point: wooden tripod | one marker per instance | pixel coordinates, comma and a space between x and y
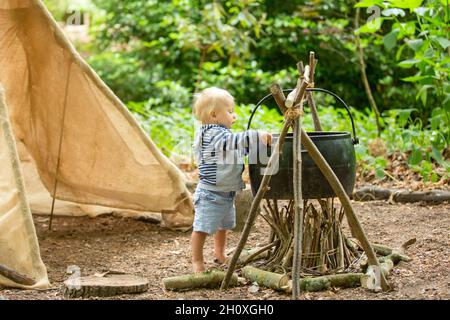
292, 109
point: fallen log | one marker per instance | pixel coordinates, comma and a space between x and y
345, 280
282, 283
391, 257
371, 193
16, 276
433, 196
208, 279
266, 279
395, 255
402, 196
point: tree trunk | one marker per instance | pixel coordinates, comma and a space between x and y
362, 65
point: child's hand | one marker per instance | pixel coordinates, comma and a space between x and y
265, 137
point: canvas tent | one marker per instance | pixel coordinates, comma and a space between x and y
70, 130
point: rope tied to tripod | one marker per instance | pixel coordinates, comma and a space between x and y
293, 113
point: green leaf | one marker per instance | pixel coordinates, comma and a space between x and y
443, 42
415, 157
409, 28
387, 80
381, 161
415, 78
368, 3
408, 63
406, 4
438, 157
434, 177
379, 173
399, 52
415, 44
371, 26
423, 93
390, 40
403, 116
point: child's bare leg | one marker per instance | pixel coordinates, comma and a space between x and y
197, 243
220, 243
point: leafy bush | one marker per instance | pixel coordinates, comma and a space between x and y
173, 132
156, 54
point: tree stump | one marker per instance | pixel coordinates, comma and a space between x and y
104, 286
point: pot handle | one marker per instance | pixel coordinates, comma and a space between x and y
355, 139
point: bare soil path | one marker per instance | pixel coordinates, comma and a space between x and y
137, 247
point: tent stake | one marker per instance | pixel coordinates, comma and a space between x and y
63, 121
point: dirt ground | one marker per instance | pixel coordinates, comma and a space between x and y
142, 248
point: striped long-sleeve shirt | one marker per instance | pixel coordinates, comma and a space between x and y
220, 156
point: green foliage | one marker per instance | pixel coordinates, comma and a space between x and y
125, 74
179, 40
173, 132
420, 35
156, 54
240, 45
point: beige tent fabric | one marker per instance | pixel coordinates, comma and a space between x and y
59, 106
76, 132
40, 200
19, 248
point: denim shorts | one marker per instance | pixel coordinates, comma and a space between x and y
214, 210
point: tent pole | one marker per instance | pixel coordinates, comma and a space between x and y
59, 148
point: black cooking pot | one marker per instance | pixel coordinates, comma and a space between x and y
336, 147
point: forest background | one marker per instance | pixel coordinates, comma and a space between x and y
389, 60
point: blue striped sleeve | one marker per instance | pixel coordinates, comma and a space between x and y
227, 140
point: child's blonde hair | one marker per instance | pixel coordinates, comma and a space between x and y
209, 100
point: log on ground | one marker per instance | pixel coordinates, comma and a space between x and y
345, 280
16, 276
371, 193
433, 196
403, 196
280, 282
393, 254
266, 279
370, 280
208, 280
